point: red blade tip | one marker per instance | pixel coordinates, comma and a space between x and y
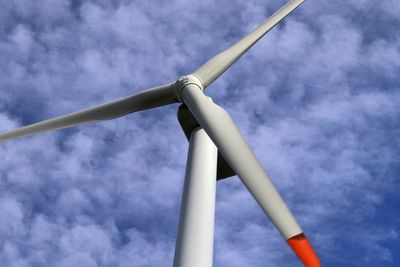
303, 249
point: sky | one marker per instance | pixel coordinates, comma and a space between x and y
317, 99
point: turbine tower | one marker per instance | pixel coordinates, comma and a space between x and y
216, 150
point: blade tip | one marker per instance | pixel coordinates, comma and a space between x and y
303, 249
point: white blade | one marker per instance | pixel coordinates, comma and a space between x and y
214, 68
221, 129
223, 132
151, 98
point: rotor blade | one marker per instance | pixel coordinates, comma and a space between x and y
150, 98
214, 68
221, 129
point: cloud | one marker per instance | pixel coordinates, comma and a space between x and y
316, 99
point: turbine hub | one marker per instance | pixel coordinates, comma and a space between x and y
184, 81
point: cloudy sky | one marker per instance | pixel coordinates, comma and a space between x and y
317, 99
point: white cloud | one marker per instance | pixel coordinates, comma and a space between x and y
316, 99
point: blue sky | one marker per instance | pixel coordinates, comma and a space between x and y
317, 99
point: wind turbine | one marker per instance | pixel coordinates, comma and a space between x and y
216, 150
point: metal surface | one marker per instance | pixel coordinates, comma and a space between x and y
188, 124
221, 129
217, 65
194, 245
151, 98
